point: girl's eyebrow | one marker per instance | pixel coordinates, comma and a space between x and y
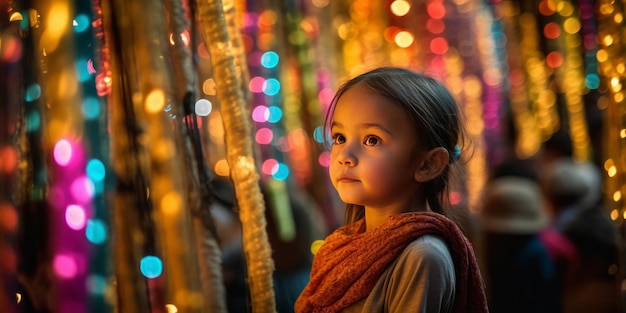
364, 126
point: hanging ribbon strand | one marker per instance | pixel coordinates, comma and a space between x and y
131, 223
196, 174
240, 154
145, 89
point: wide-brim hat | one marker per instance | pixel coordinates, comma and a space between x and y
513, 205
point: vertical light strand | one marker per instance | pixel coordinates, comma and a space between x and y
403, 32
366, 48
570, 78
492, 55
240, 156
435, 41
96, 225
466, 70
542, 99
131, 226
33, 206
528, 142
195, 176
71, 191
171, 214
305, 149
10, 60
612, 71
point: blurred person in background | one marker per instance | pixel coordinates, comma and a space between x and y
582, 239
519, 273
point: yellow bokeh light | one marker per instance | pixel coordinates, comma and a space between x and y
614, 81
163, 150
608, 163
607, 40
16, 16
611, 171
614, 214
400, 7
343, 31
171, 203
209, 87
571, 25
155, 101
57, 25
222, 168
565, 8
622, 133
170, 308
617, 195
602, 55
404, 39
315, 245
606, 9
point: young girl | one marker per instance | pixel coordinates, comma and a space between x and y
394, 139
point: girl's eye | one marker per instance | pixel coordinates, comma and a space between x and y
338, 139
371, 141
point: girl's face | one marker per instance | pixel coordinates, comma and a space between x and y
372, 159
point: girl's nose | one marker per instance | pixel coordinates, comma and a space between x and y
347, 157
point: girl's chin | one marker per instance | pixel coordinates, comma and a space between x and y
350, 199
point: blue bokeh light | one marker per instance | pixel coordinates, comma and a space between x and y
96, 231
82, 70
270, 59
271, 86
151, 266
81, 23
33, 92
282, 172
275, 114
91, 108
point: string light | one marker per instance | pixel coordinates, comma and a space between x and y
611, 66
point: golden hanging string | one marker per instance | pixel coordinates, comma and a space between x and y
528, 140
240, 155
612, 71
542, 99
570, 77
364, 44
60, 83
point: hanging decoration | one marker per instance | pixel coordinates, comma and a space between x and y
612, 71
240, 155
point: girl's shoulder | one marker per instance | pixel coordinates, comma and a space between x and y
425, 273
425, 252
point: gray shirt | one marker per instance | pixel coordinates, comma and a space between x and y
422, 279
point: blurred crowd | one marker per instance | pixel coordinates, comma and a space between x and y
544, 237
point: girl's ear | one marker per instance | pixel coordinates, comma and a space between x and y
434, 162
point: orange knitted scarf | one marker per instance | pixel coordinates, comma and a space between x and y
349, 263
